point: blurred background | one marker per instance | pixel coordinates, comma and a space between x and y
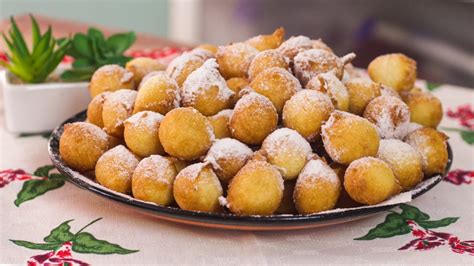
437, 34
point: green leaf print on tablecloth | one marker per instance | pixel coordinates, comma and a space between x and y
37, 187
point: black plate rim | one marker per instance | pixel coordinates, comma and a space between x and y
228, 219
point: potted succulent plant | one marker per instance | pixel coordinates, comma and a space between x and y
38, 92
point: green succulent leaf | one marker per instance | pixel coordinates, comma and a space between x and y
119, 60
393, 225
78, 74
413, 213
120, 42
60, 234
438, 223
82, 63
18, 39
37, 187
35, 31
86, 243
31, 245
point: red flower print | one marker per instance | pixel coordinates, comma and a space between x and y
458, 177
427, 239
3, 57
465, 115
7, 176
61, 256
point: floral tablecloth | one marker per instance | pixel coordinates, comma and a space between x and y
45, 219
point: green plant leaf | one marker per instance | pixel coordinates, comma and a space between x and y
413, 213
468, 136
432, 86
94, 33
82, 63
34, 188
119, 60
86, 243
31, 245
43, 171
43, 44
35, 31
120, 42
18, 39
78, 74
60, 234
393, 225
82, 45
438, 223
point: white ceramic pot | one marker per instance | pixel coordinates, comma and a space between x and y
36, 108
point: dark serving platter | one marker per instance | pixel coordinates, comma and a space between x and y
228, 220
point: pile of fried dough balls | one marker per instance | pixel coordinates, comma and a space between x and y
260, 127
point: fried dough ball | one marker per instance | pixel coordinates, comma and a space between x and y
234, 59
348, 137
220, 124
404, 161
276, 84
141, 133
390, 115
387, 91
288, 151
94, 109
319, 44
329, 84
265, 60
197, 188
267, 42
141, 66
287, 206
370, 181
317, 188
158, 93
206, 90
185, 133
294, 45
117, 108
361, 92
394, 70
110, 78
312, 62
257, 189
208, 47
82, 144
248, 127
204, 54
350, 72
425, 108
183, 65
227, 156
114, 141
153, 180
237, 84
114, 169
306, 111
431, 144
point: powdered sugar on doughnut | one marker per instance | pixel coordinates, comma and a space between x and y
285, 138
89, 131
286, 77
224, 113
295, 45
250, 97
390, 115
176, 67
396, 150
271, 58
317, 169
202, 53
110, 70
121, 160
313, 62
228, 148
330, 84
202, 79
161, 80
192, 171
243, 51
124, 97
156, 167
146, 119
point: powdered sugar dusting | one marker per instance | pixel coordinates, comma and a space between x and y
334, 88
228, 148
251, 97
202, 79
121, 159
146, 119
267, 59
176, 67
285, 138
305, 64
192, 171
243, 51
295, 45
124, 97
397, 150
156, 167
202, 53
88, 131
390, 115
317, 169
